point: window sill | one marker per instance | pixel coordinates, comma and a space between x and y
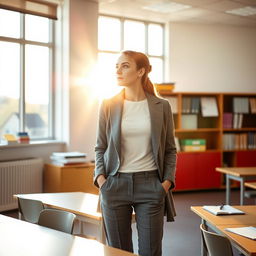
32, 144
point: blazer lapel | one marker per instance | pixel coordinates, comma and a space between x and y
156, 115
116, 110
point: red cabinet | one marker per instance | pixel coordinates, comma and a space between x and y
197, 170
246, 158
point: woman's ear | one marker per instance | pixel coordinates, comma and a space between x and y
141, 72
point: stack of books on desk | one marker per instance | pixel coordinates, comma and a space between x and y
68, 158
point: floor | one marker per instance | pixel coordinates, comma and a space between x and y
182, 237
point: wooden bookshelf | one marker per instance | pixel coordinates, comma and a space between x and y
196, 170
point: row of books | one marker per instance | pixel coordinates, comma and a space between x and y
208, 105
68, 158
241, 141
231, 120
244, 105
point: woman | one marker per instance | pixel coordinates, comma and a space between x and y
135, 159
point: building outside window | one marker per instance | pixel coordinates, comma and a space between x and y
116, 34
26, 68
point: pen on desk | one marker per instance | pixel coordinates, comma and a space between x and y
221, 207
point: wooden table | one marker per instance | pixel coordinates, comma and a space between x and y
84, 205
220, 223
25, 239
240, 174
250, 184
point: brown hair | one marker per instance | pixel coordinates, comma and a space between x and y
142, 61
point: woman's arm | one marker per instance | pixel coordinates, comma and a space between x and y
100, 148
170, 152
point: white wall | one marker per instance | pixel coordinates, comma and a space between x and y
212, 58
83, 44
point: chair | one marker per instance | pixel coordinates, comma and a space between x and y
57, 219
30, 209
216, 245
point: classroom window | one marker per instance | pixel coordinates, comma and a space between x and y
26, 68
116, 34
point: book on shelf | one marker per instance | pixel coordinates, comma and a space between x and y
227, 120
192, 145
249, 232
195, 105
241, 105
189, 121
222, 209
209, 107
173, 100
165, 87
252, 105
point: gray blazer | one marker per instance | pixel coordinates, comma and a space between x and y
108, 144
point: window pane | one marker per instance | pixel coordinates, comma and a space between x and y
37, 91
9, 87
156, 75
37, 28
134, 36
9, 23
155, 39
109, 37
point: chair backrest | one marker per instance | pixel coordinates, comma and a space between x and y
57, 219
30, 209
216, 245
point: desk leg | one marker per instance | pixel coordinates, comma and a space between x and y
227, 189
203, 249
242, 191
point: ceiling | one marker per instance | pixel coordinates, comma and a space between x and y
197, 11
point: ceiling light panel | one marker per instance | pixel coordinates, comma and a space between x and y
166, 7
246, 11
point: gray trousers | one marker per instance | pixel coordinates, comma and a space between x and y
143, 193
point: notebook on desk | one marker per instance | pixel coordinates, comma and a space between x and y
249, 232
222, 210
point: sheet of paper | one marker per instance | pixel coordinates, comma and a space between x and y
249, 232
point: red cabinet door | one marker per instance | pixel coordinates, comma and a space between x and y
197, 170
185, 172
246, 158
206, 176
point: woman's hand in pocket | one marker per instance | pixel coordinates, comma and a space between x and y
166, 185
101, 180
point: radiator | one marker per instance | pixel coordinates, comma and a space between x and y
19, 177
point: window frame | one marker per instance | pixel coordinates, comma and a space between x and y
51, 45
146, 23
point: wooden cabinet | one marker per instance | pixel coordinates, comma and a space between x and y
230, 135
69, 178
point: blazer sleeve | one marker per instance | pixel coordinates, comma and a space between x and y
101, 144
170, 156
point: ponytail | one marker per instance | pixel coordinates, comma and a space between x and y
149, 87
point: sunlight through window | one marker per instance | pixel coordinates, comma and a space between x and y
134, 36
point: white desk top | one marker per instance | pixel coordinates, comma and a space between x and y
25, 239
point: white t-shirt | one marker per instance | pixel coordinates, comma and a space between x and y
136, 148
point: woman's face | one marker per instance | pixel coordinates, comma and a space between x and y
126, 71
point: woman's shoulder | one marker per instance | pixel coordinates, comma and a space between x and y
112, 100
